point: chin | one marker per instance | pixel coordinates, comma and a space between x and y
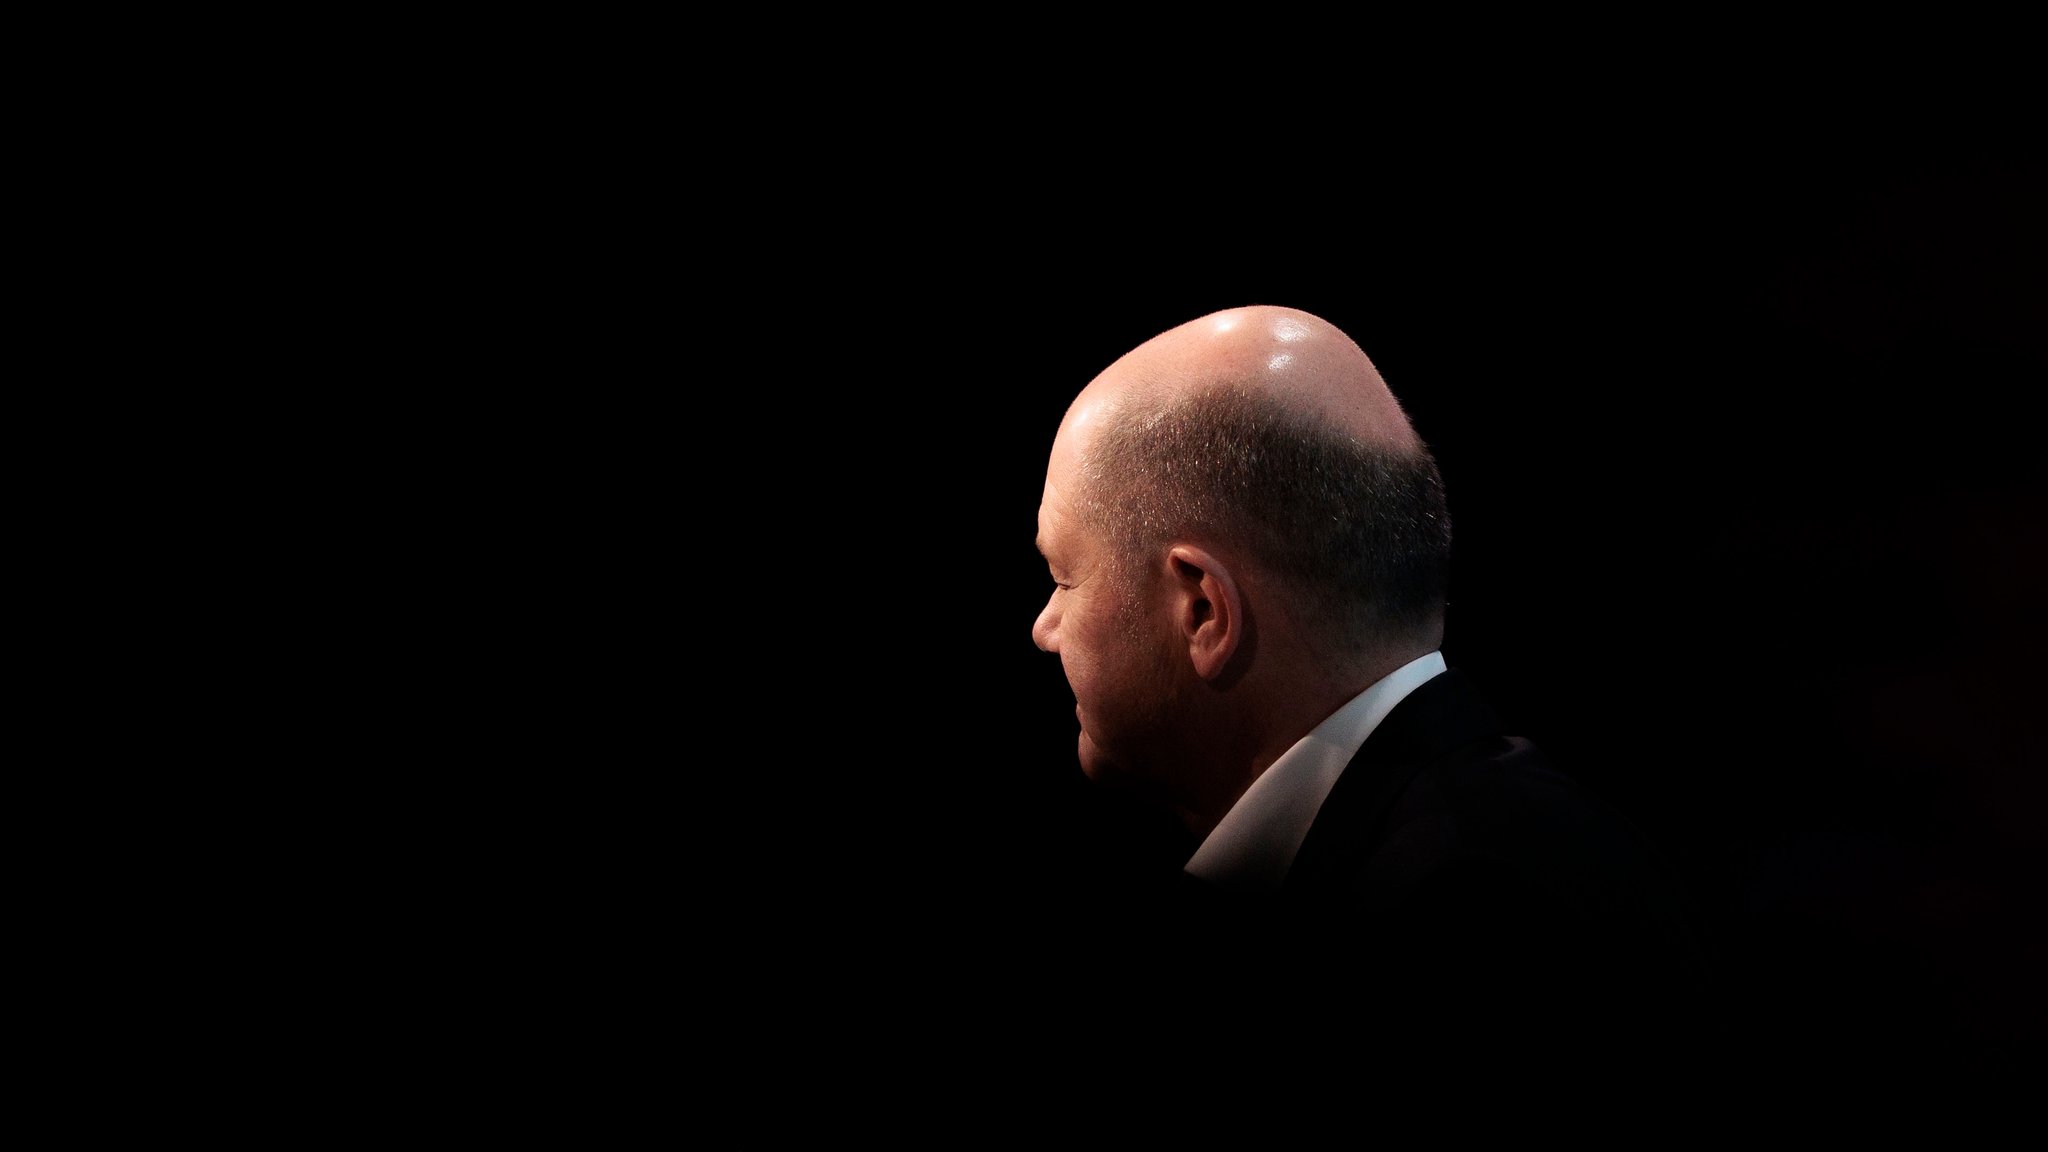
1095, 764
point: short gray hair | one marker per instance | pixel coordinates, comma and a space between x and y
1359, 532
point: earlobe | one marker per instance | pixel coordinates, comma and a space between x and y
1209, 609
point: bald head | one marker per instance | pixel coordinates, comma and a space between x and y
1267, 432
1294, 360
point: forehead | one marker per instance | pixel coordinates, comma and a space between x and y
1079, 429
1059, 529
1057, 513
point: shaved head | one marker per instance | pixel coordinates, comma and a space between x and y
1268, 432
1295, 361
1244, 532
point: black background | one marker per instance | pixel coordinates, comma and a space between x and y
1747, 534
1747, 500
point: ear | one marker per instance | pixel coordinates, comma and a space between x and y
1208, 608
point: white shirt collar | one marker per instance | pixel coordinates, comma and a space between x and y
1254, 844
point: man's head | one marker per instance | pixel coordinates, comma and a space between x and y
1243, 531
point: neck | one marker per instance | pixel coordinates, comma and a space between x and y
1275, 713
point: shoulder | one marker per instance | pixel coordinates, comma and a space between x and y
1439, 784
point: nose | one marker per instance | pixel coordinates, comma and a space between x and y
1044, 630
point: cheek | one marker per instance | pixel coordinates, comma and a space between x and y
1110, 674
1082, 675
1087, 651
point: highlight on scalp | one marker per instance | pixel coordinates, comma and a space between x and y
1360, 532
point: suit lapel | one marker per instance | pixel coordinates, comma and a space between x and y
1442, 714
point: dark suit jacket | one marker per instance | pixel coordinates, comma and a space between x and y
1456, 889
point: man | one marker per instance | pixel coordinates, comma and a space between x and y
1249, 546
